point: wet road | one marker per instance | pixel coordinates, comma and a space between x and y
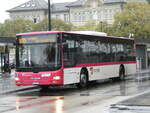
97, 98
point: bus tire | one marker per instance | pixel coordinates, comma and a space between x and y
83, 80
122, 73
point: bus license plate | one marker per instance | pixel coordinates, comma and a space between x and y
35, 78
35, 83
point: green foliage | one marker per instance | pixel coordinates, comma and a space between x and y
11, 27
103, 26
41, 26
60, 25
135, 19
57, 24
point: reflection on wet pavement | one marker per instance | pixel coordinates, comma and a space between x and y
70, 99
59, 105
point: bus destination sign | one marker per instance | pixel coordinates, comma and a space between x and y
36, 40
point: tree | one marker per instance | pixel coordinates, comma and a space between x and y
57, 24
11, 27
103, 26
135, 19
60, 25
41, 26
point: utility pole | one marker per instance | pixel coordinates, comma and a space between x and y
101, 26
49, 15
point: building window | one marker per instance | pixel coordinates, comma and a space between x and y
95, 15
105, 14
90, 15
86, 16
35, 20
66, 18
74, 17
83, 16
79, 17
110, 14
99, 15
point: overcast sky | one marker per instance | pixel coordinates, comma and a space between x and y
8, 4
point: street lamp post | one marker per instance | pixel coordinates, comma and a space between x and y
49, 15
101, 26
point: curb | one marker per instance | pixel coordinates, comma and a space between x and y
18, 90
121, 106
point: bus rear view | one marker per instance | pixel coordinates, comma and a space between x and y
38, 59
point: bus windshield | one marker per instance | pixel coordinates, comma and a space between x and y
40, 52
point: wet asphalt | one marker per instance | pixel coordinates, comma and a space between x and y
97, 98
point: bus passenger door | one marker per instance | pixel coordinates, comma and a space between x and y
71, 73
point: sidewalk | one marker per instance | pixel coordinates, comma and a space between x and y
7, 84
136, 104
140, 75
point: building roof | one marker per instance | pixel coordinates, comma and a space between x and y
60, 7
81, 2
31, 5
114, 1
40, 5
56, 7
76, 3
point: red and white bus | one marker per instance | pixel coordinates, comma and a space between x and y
60, 58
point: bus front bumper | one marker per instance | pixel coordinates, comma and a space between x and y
41, 78
19, 81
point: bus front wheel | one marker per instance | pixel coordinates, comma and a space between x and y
83, 80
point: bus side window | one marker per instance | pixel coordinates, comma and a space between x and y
120, 53
69, 53
113, 52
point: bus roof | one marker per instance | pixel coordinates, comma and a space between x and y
74, 32
39, 33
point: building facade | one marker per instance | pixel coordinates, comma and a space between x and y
77, 13
35, 10
7, 51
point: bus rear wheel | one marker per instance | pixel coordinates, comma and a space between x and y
83, 80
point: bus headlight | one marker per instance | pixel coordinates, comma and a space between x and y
17, 79
46, 75
56, 78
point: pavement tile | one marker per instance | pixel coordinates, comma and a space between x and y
7, 84
142, 100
